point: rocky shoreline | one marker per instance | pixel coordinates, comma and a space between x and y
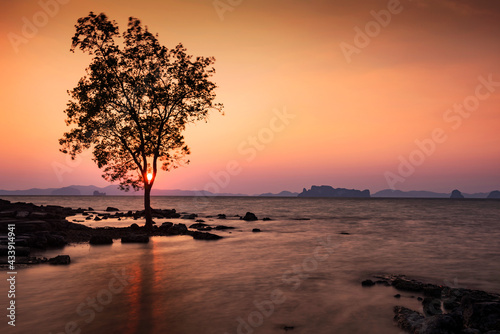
47, 227
445, 310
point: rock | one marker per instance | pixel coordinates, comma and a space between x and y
450, 304
470, 331
190, 216
223, 227
266, 219
221, 216
249, 216
201, 227
111, 209
38, 240
90, 209
97, 218
484, 316
200, 221
477, 312
60, 259
432, 290
344, 233
431, 306
397, 296
40, 215
135, 238
22, 214
8, 214
100, 240
170, 214
54, 240
205, 236
20, 251
166, 226
256, 230
33, 260
382, 282
134, 226
408, 320
441, 324
456, 194
21, 241
407, 285
368, 282
177, 229
495, 194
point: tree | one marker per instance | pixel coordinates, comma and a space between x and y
134, 103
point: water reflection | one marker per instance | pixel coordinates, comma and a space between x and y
143, 292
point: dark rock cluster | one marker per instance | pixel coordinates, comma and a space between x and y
200, 226
44, 227
446, 310
249, 216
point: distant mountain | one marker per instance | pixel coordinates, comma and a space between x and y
475, 195
409, 194
315, 191
111, 190
178, 192
31, 192
328, 191
389, 193
284, 193
66, 191
456, 194
495, 194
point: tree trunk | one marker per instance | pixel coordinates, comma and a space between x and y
147, 206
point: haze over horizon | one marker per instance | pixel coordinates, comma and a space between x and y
316, 93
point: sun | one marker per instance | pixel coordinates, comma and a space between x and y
149, 176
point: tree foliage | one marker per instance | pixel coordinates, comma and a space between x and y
135, 101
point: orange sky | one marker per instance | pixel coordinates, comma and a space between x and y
352, 118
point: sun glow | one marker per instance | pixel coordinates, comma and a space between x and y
149, 176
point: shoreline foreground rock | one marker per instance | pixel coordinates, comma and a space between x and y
46, 227
446, 310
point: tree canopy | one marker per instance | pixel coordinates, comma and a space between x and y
135, 101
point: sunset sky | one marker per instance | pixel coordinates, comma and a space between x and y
315, 92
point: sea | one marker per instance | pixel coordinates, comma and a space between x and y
301, 274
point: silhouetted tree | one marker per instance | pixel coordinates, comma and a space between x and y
134, 102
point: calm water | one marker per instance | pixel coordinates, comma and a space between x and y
299, 273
